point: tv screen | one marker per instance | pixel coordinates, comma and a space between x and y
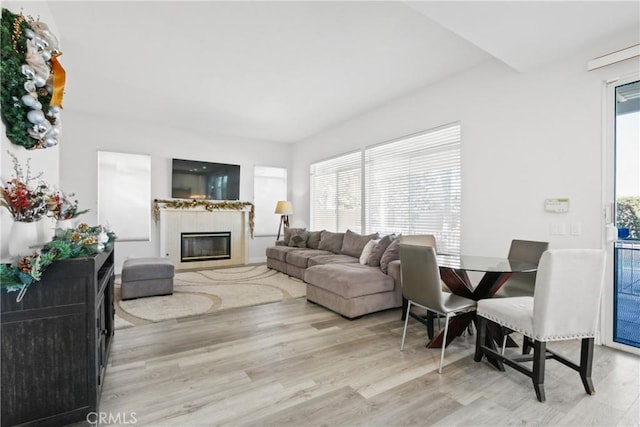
191, 179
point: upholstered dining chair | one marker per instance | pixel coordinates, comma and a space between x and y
421, 287
564, 306
419, 239
522, 284
422, 240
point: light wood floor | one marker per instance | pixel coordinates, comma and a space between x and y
295, 363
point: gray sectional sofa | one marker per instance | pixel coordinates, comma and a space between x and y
338, 275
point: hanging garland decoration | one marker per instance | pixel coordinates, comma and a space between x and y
209, 206
32, 84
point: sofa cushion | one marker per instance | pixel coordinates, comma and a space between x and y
279, 252
300, 257
298, 238
331, 241
331, 259
366, 251
391, 254
313, 239
378, 250
349, 280
353, 243
288, 232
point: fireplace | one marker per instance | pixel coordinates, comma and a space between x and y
174, 222
205, 246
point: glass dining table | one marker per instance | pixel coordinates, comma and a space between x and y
454, 271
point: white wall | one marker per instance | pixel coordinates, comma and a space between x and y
72, 164
85, 134
526, 137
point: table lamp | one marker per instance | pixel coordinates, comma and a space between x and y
284, 208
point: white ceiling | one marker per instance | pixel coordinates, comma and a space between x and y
283, 71
528, 34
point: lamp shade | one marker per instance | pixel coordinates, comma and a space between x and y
284, 208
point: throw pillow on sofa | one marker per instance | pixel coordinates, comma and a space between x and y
287, 234
331, 241
313, 239
297, 237
391, 254
378, 250
353, 243
366, 251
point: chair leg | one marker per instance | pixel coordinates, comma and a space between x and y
526, 345
406, 320
586, 363
430, 316
444, 341
480, 338
539, 358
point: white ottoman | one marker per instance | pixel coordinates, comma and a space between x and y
144, 277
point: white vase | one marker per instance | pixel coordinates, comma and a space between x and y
23, 239
46, 229
65, 224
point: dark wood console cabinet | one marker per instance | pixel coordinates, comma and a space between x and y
55, 343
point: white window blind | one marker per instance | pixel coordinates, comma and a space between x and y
413, 186
269, 186
336, 189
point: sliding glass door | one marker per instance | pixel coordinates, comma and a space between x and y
624, 298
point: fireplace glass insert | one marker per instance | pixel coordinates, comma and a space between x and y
205, 246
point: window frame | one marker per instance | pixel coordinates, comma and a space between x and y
345, 218
444, 156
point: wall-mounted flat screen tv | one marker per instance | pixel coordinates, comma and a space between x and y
191, 179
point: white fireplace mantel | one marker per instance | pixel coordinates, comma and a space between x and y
174, 221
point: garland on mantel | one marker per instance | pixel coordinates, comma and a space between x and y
209, 206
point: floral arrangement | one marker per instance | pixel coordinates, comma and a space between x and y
32, 84
61, 206
209, 206
27, 203
82, 241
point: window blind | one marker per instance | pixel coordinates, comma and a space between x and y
269, 186
336, 189
413, 186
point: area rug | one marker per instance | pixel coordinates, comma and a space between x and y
208, 291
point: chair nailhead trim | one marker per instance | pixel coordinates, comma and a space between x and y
533, 335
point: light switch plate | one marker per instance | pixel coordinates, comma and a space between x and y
558, 229
576, 228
